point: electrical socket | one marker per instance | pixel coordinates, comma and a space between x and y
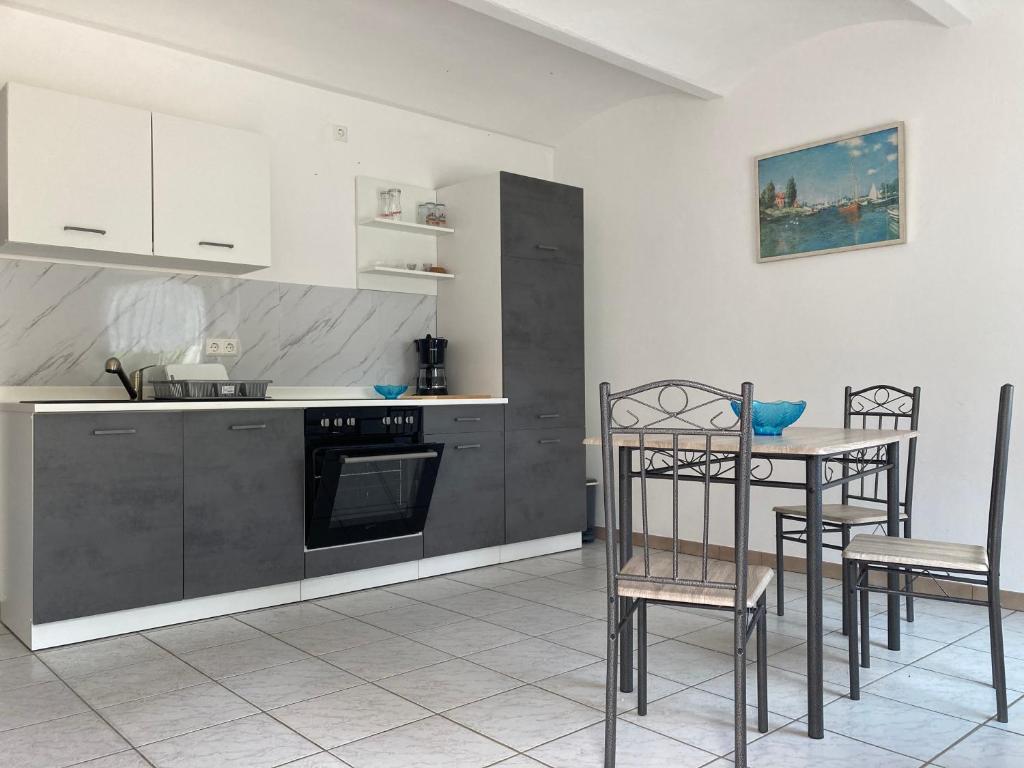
340, 132
222, 347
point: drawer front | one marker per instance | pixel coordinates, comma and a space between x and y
467, 510
545, 483
542, 344
364, 554
107, 514
244, 514
451, 419
541, 220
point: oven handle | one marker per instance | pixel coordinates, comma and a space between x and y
390, 457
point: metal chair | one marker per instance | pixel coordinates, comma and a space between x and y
961, 563
880, 406
680, 431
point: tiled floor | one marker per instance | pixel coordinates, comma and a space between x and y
498, 666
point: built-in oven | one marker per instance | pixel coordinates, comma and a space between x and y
369, 474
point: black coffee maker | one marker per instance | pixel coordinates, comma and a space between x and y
431, 379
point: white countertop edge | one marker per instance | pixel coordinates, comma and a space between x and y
234, 405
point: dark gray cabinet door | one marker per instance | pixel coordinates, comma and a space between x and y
107, 522
448, 419
244, 515
541, 220
467, 510
542, 343
545, 481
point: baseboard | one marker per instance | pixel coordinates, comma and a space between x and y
40, 636
1008, 598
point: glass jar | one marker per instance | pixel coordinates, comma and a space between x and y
424, 213
440, 215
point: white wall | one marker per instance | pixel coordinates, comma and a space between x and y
673, 289
312, 175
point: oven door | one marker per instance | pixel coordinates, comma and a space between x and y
370, 492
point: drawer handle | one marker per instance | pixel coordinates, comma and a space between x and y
467, 446
549, 416
240, 427
467, 418
90, 230
104, 432
216, 245
550, 441
542, 247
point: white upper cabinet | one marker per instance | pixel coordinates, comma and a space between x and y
77, 173
211, 193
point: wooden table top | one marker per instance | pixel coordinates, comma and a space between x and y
794, 441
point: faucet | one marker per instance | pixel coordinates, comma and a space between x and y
134, 384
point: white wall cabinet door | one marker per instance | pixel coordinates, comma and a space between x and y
211, 193
78, 172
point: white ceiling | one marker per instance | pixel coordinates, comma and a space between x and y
529, 68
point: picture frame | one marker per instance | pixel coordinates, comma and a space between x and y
843, 193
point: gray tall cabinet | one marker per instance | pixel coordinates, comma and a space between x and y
514, 320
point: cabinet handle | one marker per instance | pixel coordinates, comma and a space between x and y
467, 418
240, 427
90, 230
550, 441
542, 247
549, 415
467, 446
216, 245
103, 432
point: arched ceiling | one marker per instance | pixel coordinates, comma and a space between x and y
535, 69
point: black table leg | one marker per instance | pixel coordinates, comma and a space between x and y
815, 671
892, 496
625, 552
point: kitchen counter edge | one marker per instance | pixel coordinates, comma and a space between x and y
233, 405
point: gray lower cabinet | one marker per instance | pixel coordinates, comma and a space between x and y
544, 483
467, 510
107, 524
244, 517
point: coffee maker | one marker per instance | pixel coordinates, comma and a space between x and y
431, 379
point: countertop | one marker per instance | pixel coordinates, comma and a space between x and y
101, 406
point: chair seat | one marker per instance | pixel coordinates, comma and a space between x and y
842, 514
758, 579
919, 552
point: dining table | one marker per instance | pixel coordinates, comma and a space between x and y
831, 457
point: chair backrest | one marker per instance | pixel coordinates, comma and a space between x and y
881, 406
680, 431
998, 493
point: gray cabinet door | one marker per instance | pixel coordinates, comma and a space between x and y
542, 343
541, 220
545, 483
467, 510
107, 522
244, 515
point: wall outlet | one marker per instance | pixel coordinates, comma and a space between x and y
222, 347
340, 132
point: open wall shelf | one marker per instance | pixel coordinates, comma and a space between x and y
397, 225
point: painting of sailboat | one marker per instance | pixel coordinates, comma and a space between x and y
840, 194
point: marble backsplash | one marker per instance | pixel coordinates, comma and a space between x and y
60, 322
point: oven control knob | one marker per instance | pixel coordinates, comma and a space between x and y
387, 421
350, 421
410, 419
325, 422
339, 422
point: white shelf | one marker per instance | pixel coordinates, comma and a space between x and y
397, 225
398, 271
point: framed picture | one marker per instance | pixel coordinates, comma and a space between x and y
840, 194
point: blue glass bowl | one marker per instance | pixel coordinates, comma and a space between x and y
390, 391
772, 418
